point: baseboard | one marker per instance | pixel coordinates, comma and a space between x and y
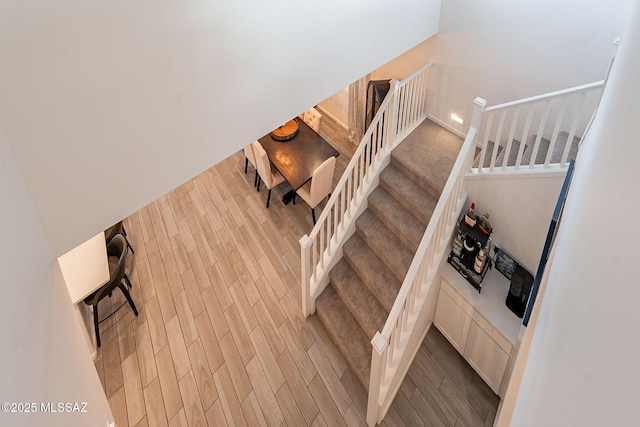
326, 113
446, 126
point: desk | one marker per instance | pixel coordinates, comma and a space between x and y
85, 269
298, 158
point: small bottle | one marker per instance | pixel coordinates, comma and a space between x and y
457, 245
484, 224
481, 258
470, 217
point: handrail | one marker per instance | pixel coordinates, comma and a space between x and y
343, 201
532, 127
457, 173
352, 164
401, 110
550, 95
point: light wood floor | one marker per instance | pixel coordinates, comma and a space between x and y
220, 339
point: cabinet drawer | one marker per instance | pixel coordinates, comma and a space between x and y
492, 332
452, 321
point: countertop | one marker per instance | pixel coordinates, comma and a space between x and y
490, 303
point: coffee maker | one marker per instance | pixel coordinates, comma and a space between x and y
519, 291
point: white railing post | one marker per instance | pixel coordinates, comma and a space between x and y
308, 303
379, 345
394, 107
476, 121
478, 106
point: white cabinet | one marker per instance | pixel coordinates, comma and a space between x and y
452, 321
485, 356
483, 337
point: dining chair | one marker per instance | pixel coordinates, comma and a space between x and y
113, 231
313, 118
249, 156
319, 187
117, 254
267, 173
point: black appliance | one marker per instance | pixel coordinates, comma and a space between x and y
474, 240
519, 291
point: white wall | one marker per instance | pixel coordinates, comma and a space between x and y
520, 209
108, 105
44, 357
503, 51
104, 106
583, 367
337, 106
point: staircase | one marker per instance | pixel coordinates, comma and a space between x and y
364, 284
556, 156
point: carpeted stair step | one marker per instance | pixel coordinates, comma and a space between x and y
409, 194
399, 220
414, 176
346, 333
427, 155
380, 281
558, 149
362, 304
513, 154
487, 155
396, 256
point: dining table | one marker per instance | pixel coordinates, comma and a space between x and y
297, 158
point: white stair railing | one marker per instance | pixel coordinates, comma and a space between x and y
396, 346
526, 118
402, 110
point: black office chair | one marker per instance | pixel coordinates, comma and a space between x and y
117, 253
114, 230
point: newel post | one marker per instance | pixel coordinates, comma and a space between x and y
305, 259
394, 112
476, 122
478, 106
379, 345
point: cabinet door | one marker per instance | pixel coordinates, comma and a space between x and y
486, 357
452, 321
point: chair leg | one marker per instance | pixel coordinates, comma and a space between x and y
129, 245
268, 198
124, 233
126, 279
255, 179
313, 215
246, 164
294, 197
95, 324
128, 297
258, 185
